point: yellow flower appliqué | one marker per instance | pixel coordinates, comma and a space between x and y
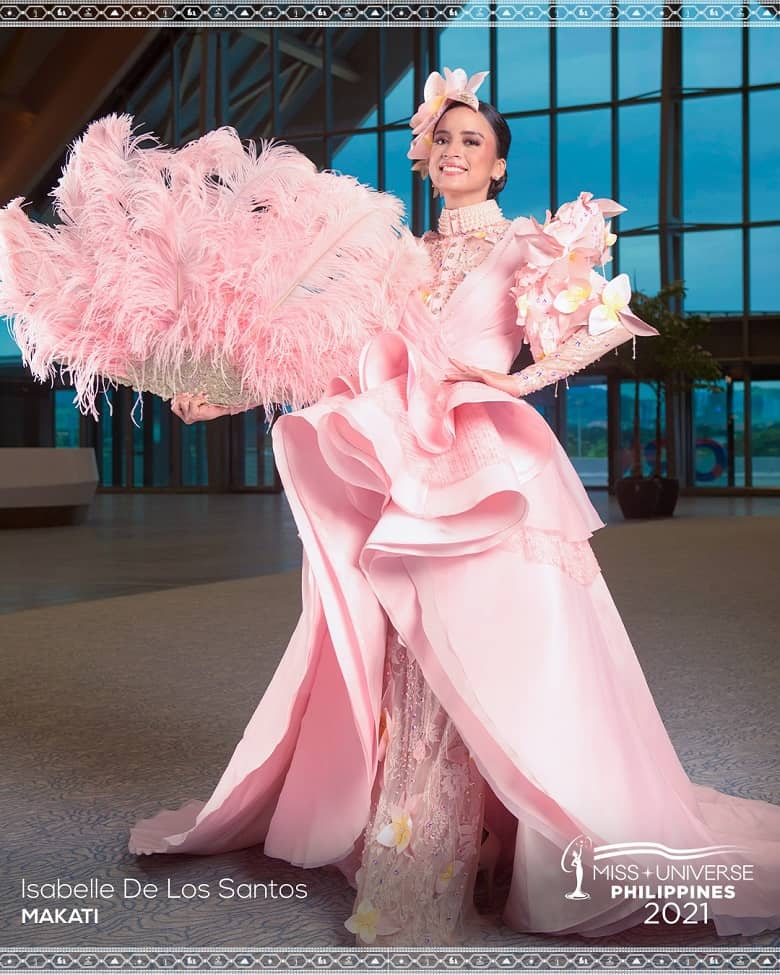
571, 298
445, 878
367, 922
578, 288
614, 298
398, 832
364, 921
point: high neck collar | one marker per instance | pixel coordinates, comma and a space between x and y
467, 219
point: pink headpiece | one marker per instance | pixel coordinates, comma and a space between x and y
439, 92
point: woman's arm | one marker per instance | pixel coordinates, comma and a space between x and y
576, 352
573, 354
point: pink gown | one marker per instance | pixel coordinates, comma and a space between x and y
459, 667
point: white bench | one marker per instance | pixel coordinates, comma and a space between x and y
42, 486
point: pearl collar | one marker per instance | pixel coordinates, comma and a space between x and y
467, 219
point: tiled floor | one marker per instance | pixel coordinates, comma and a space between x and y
116, 707
144, 542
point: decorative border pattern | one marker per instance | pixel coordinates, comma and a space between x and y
513, 13
351, 959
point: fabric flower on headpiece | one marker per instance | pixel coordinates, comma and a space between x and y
438, 93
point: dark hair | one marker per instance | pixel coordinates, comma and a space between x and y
503, 136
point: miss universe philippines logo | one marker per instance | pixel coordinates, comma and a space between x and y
680, 866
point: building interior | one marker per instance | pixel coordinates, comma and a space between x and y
150, 570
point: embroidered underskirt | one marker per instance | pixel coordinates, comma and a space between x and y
420, 851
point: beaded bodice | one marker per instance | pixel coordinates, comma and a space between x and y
464, 238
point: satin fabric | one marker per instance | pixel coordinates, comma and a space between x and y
409, 495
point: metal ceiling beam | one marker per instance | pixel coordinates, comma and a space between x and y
156, 85
88, 67
311, 56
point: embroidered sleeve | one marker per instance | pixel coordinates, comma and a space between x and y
573, 354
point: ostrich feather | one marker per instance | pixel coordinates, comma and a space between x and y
215, 265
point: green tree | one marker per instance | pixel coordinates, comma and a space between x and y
672, 361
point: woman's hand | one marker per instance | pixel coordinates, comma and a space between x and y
499, 380
193, 407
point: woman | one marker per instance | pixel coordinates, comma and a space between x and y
459, 690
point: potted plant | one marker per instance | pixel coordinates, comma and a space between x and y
673, 361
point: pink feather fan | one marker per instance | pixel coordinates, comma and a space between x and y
250, 275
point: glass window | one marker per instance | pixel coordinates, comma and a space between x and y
639, 61
584, 71
467, 48
300, 89
764, 251
584, 152
712, 269
369, 121
399, 100
194, 467
765, 431
9, 350
432, 207
398, 169
258, 450
712, 158
586, 428
357, 156
647, 429
764, 154
250, 448
711, 56
354, 82
269, 463
110, 448
527, 191
545, 403
764, 56
314, 149
719, 435
151, 440
438, 206
523, 68
640, 259
161, 442
66, 419
137, 433
639, 134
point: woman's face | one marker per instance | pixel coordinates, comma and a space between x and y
463, 157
